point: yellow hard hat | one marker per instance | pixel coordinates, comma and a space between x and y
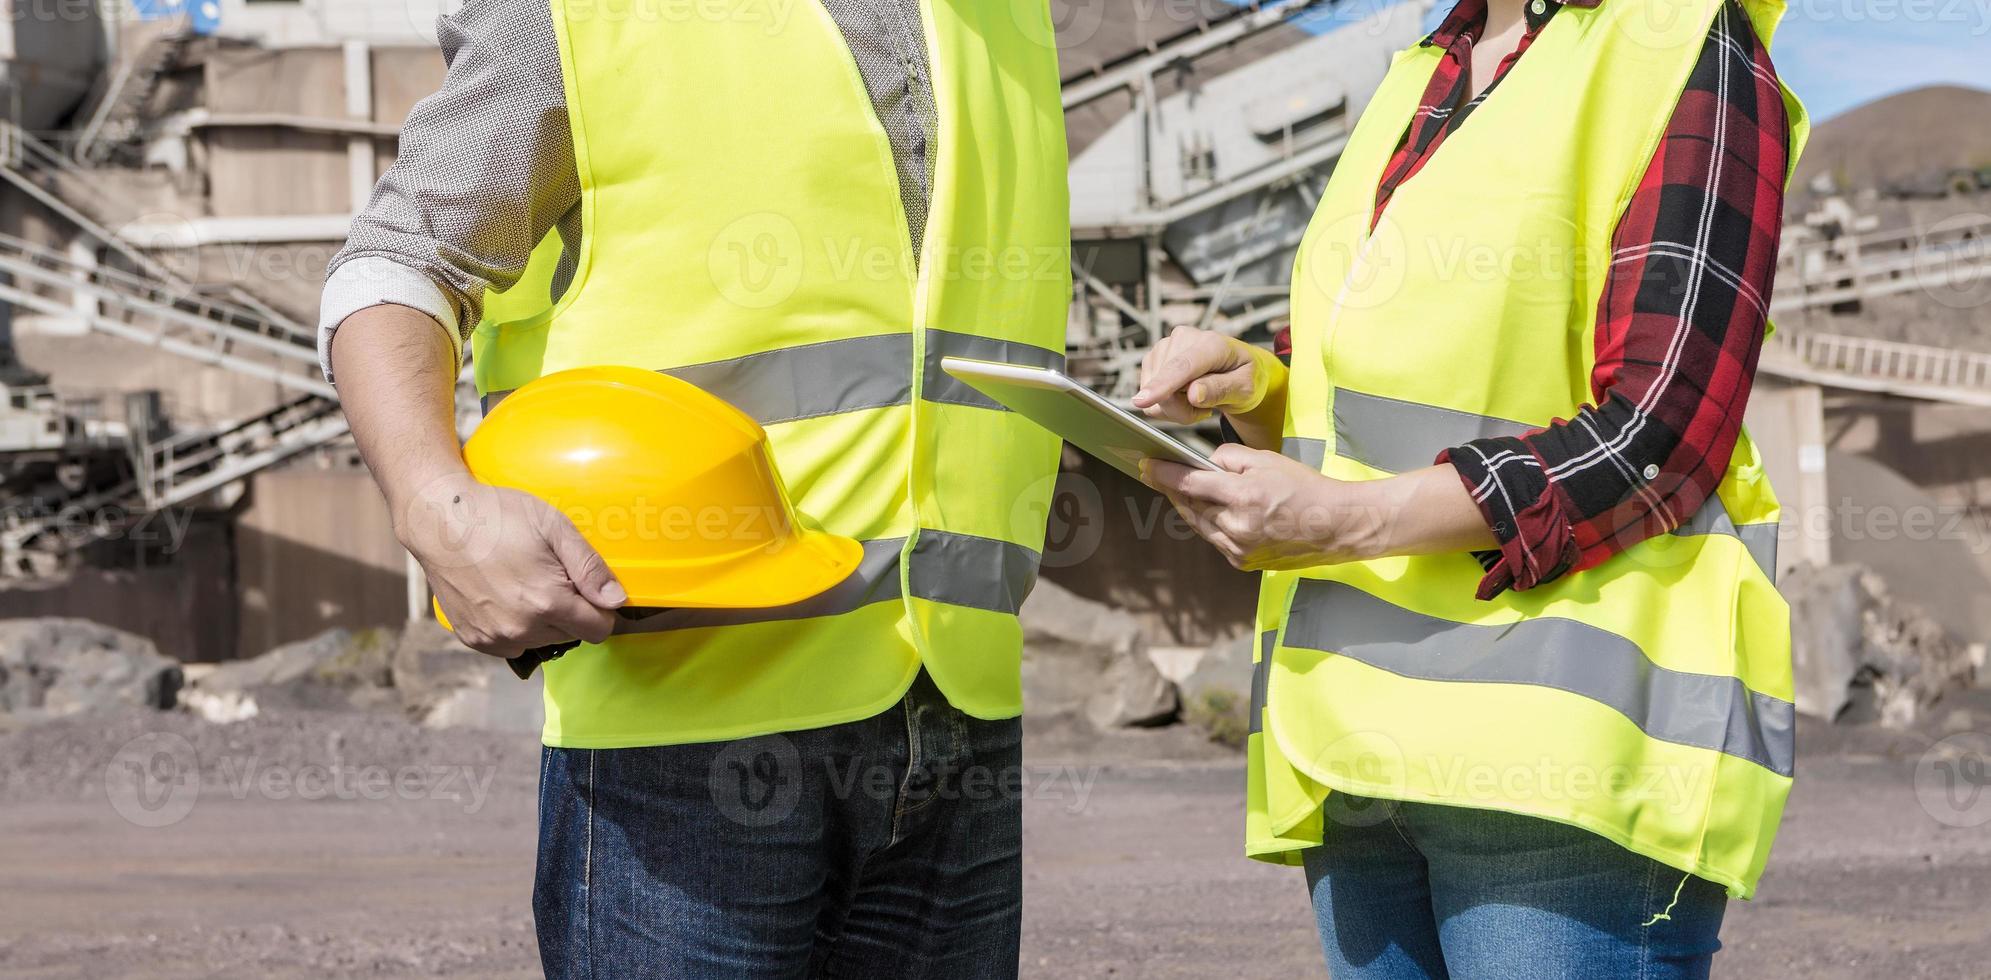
674, 488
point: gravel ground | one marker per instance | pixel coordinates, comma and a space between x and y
424, 870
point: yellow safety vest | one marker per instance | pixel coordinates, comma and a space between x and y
744, 231
1647, 699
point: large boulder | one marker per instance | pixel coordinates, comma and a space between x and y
499, 702
1216, 695
1861, 654
420, 671
428, 661
334, 670
444, 684
1084, 657
50, 668
1923, 548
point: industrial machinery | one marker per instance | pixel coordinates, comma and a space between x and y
1202, 133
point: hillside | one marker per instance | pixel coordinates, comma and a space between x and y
1913, 133
1911, 136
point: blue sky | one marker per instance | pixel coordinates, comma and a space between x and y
1839, 53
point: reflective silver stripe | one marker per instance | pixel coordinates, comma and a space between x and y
848, 375
811, 380
964, 570
1312, 452
1702, 710
1261, 675
1395, 436
875, 580
1760, 539
939, 386
957, 569
803, 382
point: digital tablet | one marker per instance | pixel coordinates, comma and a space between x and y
1076, 413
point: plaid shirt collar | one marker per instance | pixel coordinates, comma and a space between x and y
1469, 17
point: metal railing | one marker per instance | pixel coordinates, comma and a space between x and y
1851, 268
180, 468
171, 472
1892, 367
161, 315
155, 307
78, 196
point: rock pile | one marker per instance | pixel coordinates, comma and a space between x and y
55, 668
335, 670
419, 671
1094, 663
52, 668
1085, 662
1863, 655
1085, 657
1216, 695
444, 684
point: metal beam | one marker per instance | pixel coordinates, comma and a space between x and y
300, 355
1210, 35
250, 230
1118, 302
193, 119
174, 345
1287, 169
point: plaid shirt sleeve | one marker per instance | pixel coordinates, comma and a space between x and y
1678, 333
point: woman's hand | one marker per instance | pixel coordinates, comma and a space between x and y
1267, 512
1194, 372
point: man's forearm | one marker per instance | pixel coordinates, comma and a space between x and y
513, 573
397, 382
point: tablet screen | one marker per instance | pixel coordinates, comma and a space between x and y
1076, 413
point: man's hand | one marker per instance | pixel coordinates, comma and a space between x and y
1192, 372
511, 572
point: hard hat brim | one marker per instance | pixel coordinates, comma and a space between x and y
814, 563
789, 572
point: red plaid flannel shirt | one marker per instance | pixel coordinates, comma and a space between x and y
1679, 328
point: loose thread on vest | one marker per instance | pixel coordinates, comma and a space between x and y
1667, 916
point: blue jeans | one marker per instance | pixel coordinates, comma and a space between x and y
888, 847
1417, 890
